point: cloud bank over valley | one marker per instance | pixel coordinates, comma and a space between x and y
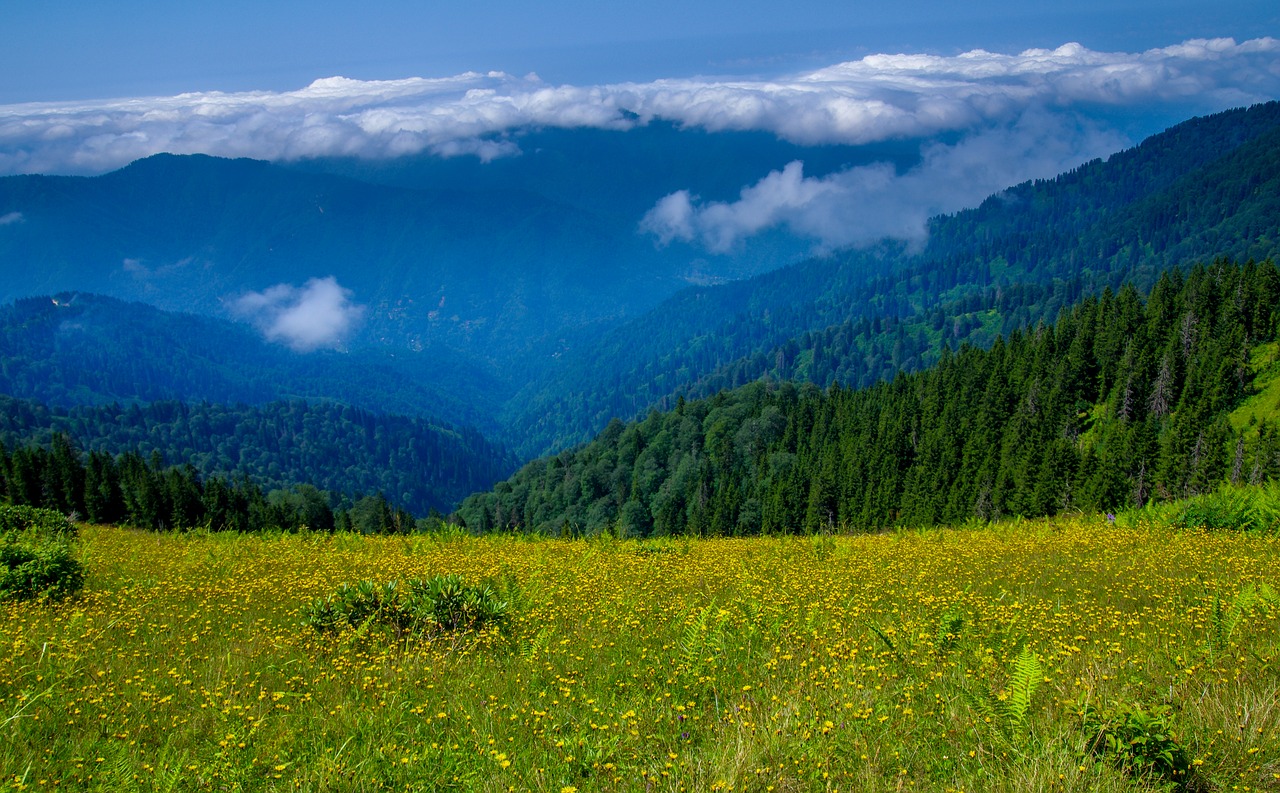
877, 98
864, 204
988, 120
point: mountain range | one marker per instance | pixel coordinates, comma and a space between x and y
518, 298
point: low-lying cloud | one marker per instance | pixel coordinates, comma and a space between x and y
861, 205
317, 315
876, 98
10, 218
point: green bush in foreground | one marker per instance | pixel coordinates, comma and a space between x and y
420, 608
1139, 740
16, 520
37, 555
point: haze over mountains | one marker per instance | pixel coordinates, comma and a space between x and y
537, 297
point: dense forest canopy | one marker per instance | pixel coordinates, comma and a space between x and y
1121, 401
418, 465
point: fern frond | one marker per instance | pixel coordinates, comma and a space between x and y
893, 648
693, 641
1027, 672
982, 705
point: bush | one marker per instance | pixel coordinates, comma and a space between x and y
37, 555
1139, 740
48, 570
1250, 508
439, 605
18, 520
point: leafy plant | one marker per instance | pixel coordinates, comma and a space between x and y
439, 605
1138, 738
950, 624
16, 520
1225, 618
1009, 709
887, 642
451, 605
824, 545
702, 639
37, 555
1232, 508
48, 569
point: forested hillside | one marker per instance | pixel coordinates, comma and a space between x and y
1121, 401
81, 349
417, 465
145, 493
1207, 187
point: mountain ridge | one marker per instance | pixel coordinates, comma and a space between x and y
1015, 241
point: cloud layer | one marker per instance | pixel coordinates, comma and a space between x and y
317, 315
877, 98
861, 205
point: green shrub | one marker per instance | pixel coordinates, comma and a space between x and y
1233, 508
1139, 740
37, 555
439, 605
451, 605
33, 570
18, 520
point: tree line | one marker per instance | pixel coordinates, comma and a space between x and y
420, 465
139, 491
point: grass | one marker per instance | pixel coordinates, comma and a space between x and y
927, 660
1263, 405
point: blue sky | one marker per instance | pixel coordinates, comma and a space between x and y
78, 49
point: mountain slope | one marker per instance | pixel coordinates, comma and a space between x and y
80, 349
1206, 187
486, 273
1120, 402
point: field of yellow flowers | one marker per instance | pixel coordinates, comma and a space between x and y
1066, 654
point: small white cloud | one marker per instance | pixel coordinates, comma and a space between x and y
484, 150
317, 315
11, 218
671, 218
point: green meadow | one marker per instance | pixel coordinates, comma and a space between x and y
1074, 653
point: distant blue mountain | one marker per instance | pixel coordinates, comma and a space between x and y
517, 296
489, 260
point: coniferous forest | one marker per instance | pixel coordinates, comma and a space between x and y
1125, 399
418, 464
143, 492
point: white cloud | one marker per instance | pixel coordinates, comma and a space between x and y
11, 217
317, 315
861, 205
877, 98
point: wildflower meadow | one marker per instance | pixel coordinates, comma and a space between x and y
1074, 653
